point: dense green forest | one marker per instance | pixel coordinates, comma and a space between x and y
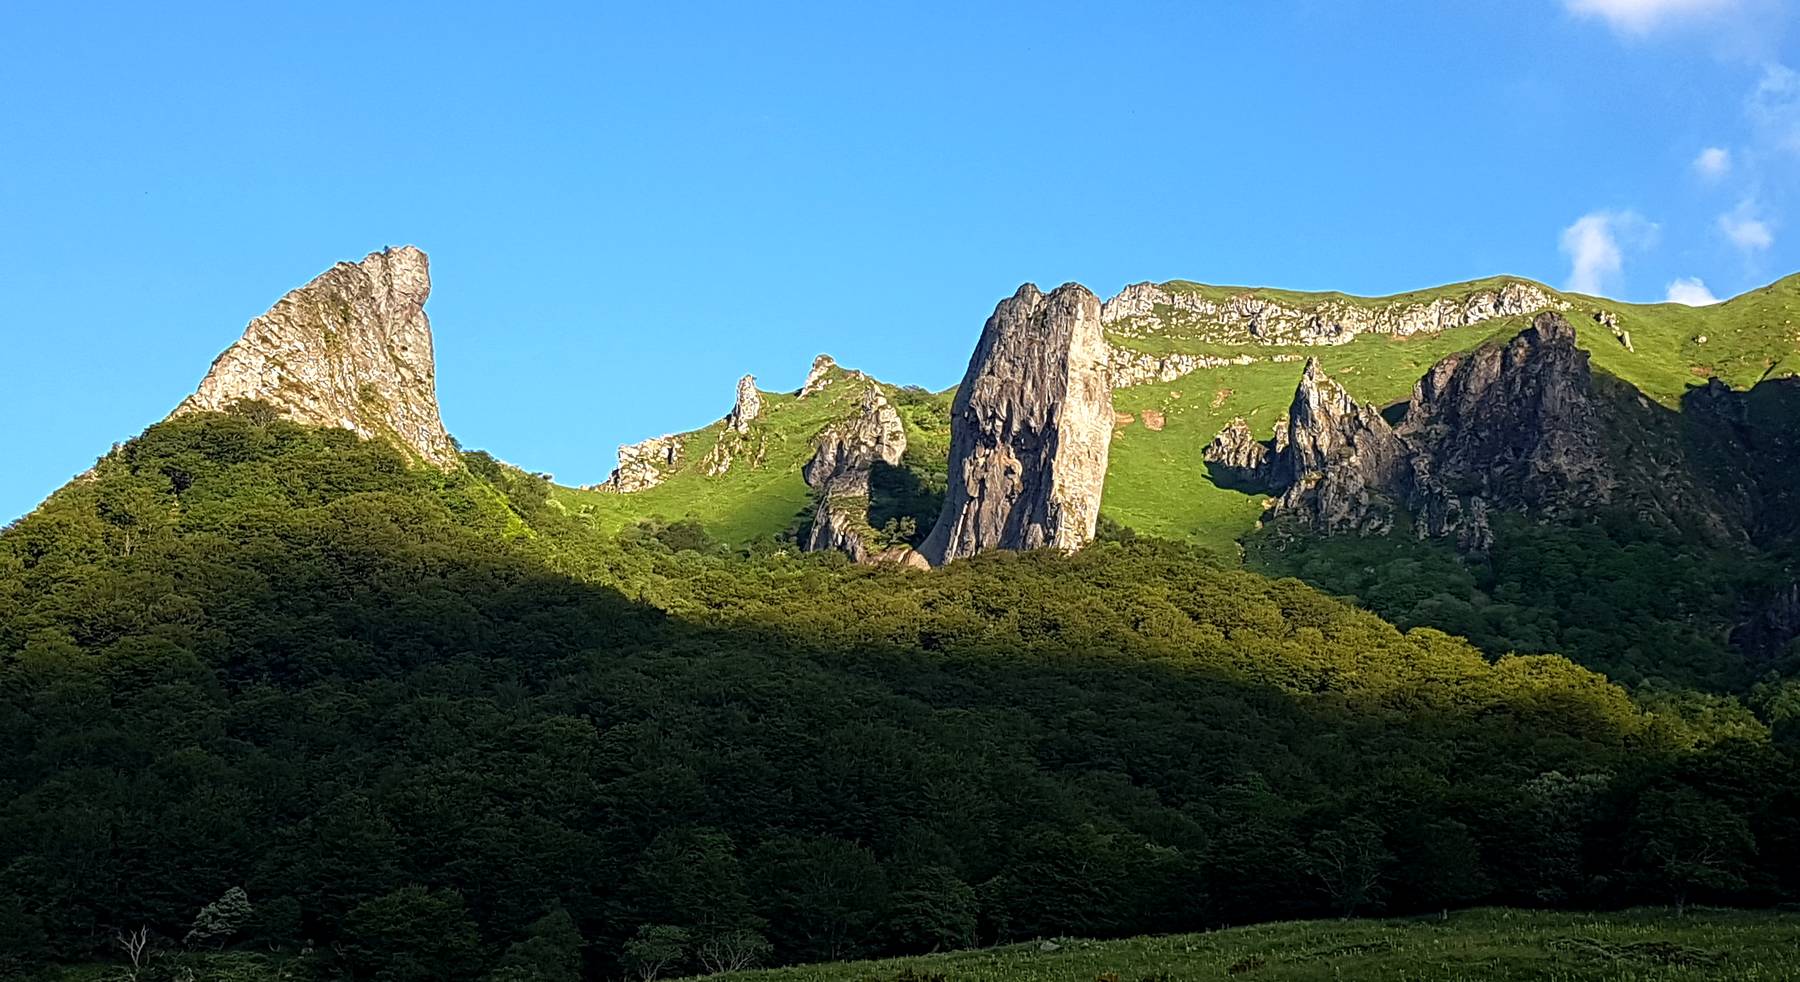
265, 687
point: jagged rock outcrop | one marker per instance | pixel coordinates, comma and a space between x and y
351, 349
818, 376
747, 407
644, 465
848, 450
1251, 318
1513, 426
1341, 456
1238, 456
840, 471
1125, 367
1030, 429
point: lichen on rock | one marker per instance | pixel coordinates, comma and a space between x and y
351, 349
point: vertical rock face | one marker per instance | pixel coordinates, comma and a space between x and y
840, 470
1518, 422
747, 407
1339, 455
350, 349
1029, 430
1517, 426
848, 450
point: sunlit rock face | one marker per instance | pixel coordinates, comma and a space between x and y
1030, 429
351, 349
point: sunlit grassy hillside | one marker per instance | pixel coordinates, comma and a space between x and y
1157, 482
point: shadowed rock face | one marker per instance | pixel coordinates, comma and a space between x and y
839, 472
350, 349
847, 451
1515, 426
1030, 430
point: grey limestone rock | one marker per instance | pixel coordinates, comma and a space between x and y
644, 465
1030, 429
352, 349
1517, 426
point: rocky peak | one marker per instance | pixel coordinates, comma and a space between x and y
848, 450
1515, 425
1030, 429
840, 471
1238, 456
1518, 421
1339, 455
819, 376
747, 407
351, 349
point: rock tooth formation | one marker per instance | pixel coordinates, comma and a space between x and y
1518, 426
350, 349
747, 407
840, 471
1029, 429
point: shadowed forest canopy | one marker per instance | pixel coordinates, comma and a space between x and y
432, 726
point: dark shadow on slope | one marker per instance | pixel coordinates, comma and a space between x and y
336, 683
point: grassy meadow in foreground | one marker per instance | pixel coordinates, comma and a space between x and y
1491, 944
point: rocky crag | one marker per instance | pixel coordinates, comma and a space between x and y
1030, 429
1521, 426
350, 349
644, 465
839, 472
1250, 318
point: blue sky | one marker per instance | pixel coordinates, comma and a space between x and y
629, 205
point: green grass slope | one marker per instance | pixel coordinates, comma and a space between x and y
1157, 482
762, 494
1488, 945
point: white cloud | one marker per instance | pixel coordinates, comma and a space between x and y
1774, 107
1596, 246
1644, 16
1691, 290
1745, 230
1713, 163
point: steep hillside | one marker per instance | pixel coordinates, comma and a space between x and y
1188, 358
1155, 485
761, 495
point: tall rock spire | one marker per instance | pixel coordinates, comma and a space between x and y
350, 349
1029, 430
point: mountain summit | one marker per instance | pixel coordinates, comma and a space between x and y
350, 349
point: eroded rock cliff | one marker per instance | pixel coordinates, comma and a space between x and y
1517, 426
1249, 317
1030, 429
351, 349
840, 471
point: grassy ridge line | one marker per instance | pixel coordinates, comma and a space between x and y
1491, 944
1156, 480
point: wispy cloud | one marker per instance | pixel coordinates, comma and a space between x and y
1691, 290
1774, 107
1744, 229
1644, 16
1596, 244
1713, 163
